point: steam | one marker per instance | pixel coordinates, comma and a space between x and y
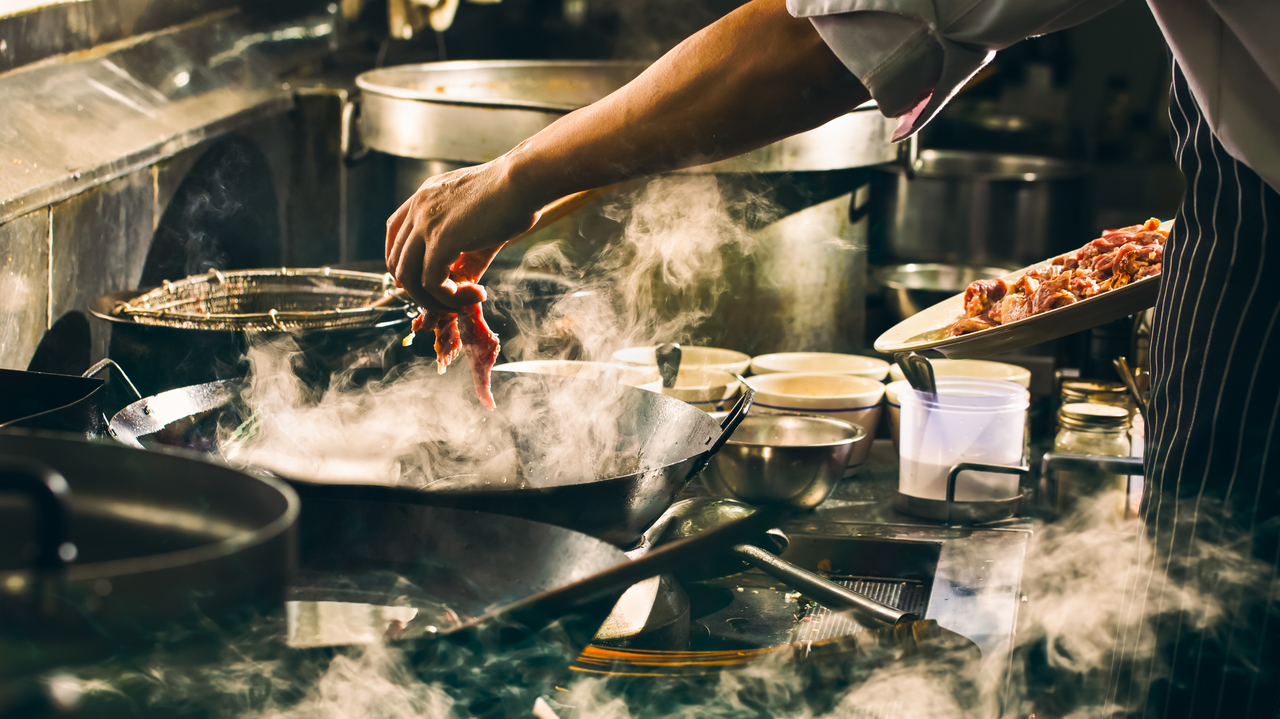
1082, 629
424, 430
416, 428
1094, 584
657, 283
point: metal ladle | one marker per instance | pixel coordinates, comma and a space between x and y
700, 514
918, 372
1130, 381
668, 359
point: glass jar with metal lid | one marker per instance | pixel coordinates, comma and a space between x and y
1090, 428
1112, 393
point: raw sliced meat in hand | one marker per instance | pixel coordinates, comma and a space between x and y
481, 346
448, 341
466, 329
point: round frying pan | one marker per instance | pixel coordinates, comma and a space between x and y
661, 443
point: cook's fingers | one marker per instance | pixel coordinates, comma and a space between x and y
398, 248
394, 224
435, 280
407, 272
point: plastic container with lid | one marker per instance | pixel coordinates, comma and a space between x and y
969, 420
1090, 428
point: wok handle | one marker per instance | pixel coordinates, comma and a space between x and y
110, 412
730, 423
532, 614
865, 610
735, 416
48, 492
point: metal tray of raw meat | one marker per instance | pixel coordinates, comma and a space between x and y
925, 332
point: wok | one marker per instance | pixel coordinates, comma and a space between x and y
490, 609
39, 400
496, 606
63, 403
101, 546
661, 443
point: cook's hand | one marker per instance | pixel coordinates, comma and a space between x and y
466, 210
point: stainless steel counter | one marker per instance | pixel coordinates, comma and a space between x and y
975, 586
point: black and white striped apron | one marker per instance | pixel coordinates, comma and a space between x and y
1212, 506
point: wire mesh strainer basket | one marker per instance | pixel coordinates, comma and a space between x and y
269, 300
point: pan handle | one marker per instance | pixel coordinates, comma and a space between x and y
109, 412
109, 364
48, 492
735, 416
730, 423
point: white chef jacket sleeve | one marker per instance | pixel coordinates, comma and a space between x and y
914, 55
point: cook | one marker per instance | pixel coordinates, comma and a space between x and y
772, 69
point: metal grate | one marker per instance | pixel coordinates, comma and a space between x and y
818, 622
823, 624
268, 300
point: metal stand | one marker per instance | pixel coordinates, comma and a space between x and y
1054, 462
953, 512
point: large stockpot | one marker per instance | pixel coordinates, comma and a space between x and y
473, 111
975, 208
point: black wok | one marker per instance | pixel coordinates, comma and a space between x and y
61, 403
675, 441
101, 546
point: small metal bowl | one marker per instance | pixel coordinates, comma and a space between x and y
909, 289
789, 459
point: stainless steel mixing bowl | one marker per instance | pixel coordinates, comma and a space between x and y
789, 459
908, 289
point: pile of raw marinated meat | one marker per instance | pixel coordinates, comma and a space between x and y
465, 330
1116, 259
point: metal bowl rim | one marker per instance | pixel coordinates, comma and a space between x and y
882, 273
858, 432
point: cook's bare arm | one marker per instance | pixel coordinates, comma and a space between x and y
754, 77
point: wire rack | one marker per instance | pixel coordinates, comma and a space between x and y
268, 300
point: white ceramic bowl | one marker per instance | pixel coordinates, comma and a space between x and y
707, 389
893, 409
857, 400
984, 369
642, 377
822, 362
690, 357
